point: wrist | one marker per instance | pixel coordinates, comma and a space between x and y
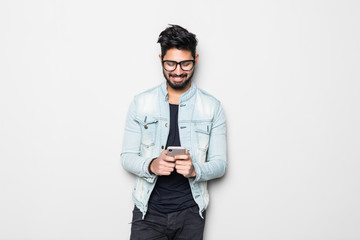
149, 167
193, 174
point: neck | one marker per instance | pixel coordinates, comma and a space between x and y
174, 94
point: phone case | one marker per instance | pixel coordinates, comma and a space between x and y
173, 151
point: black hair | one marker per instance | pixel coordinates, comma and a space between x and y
177, 37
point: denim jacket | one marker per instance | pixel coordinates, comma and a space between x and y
202, 131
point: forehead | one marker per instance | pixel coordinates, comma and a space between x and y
178, 55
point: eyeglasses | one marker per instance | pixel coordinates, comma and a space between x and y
170, 66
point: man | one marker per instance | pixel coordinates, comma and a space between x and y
171, 193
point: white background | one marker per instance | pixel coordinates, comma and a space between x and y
287, 73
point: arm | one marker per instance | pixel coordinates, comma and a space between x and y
131, 159
216, 162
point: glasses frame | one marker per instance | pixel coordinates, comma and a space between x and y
178, 63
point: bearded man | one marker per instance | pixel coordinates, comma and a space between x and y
170, 193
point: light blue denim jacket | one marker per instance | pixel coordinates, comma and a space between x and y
202, 131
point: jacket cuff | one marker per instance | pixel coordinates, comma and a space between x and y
198, 172
148, 176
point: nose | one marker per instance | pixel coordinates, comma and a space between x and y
178, 70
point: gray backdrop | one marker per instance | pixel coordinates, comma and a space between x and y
287, 73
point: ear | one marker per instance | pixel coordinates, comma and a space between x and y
196, 58
160, 57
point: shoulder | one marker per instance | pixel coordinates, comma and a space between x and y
207, 106
148, 95
146, 101
206, 98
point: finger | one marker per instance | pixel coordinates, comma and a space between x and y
163, 153
169, 159
182, 172
167, 169
182, 167
169, 165
179, 169
165, 173
182, 157
182, 163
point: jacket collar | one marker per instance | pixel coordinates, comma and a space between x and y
184, 97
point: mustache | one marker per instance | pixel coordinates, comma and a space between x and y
181, 75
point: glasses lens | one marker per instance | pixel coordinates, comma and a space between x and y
169, 65
187, 65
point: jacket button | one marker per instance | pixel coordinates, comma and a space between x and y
162, 147
166, 125
146, 127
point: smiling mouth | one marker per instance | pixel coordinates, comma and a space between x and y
178, 78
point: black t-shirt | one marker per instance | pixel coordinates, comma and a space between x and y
172, 193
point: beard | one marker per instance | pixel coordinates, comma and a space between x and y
178, 85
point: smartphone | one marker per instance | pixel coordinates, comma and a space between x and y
173, 151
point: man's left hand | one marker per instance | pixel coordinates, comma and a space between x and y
184, 166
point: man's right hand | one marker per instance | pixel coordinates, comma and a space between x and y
163, 165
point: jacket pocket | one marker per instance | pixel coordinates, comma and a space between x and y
203, 131
149, 127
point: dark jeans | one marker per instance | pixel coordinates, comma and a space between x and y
186, 224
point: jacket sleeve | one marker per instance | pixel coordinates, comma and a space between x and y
216, 162
131, 159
